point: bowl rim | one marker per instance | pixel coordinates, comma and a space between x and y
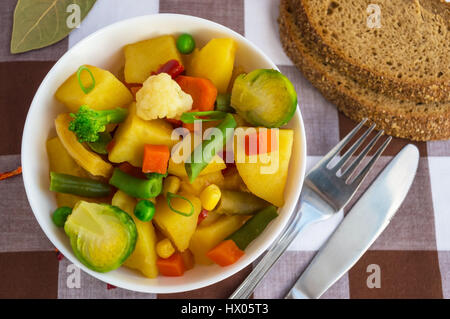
30, 185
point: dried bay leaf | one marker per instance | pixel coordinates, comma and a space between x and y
40, 23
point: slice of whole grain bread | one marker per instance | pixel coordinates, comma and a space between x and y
408, 57
401, 118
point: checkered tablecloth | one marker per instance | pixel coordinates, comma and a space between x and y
413, 253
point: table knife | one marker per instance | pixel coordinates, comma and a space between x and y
361, 226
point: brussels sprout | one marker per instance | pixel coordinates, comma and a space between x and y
102, 236
264, 97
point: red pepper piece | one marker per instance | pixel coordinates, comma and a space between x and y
259, 140
174, 122
171, 67
203, 214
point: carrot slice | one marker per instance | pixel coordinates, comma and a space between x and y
172, 266
226, 253
15, 172
202, 91
156, 159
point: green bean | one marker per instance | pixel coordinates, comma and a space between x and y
69, 184
253, 227
239, 203
137, 187
194, 168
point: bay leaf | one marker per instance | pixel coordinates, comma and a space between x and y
40, 23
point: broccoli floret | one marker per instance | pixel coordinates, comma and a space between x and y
87, 123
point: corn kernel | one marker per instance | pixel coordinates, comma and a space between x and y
164, 248
210, 196
171, 184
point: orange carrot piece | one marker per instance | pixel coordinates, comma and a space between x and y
156, 159
260, 139
172, 266
15, 172
203, 92
226, 253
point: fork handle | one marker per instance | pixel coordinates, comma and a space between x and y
273, 254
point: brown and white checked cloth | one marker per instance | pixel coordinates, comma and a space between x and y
413, 253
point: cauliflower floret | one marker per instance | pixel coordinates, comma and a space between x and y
160, 97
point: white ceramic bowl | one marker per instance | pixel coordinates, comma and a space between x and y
104, 49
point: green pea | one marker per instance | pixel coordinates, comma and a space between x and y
185, 43
60, 215
144, 210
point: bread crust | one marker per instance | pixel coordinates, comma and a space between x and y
414, 90
415, 122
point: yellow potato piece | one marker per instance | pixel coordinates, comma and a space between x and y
144, 57
108, 92
134, 133
197, 186
268, 180
88, 160
207, 237
144, 255
61, 162
178, 169
215, 62
178, 228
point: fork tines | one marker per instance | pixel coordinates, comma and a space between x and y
351, 169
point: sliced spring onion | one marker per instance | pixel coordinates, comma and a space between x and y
172, 195
206, 116
86, 90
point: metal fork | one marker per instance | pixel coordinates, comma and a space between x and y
325, 192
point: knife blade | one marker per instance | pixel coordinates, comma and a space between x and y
361, 227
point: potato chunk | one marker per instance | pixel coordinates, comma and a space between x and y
144, 57
90, 161
134, 133
178, 228
207, 237
215, 62
267, 180
61, 162
108, 92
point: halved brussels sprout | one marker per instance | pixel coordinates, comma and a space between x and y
264, 97
102, 236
